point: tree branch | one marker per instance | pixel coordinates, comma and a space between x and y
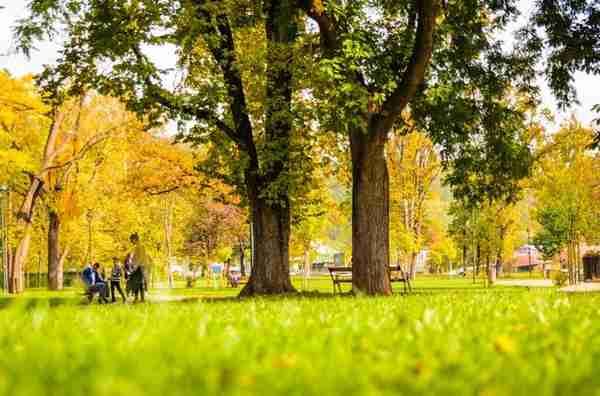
96, 139
414, 74
327, 28
164, 97
219, 39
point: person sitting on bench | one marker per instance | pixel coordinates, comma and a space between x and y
94, 283
234, 278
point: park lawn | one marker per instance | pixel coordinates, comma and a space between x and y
451, 342
207, 289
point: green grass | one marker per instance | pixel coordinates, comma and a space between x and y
448, 338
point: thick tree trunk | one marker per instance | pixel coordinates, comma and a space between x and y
270, 273
55, 270
370, 215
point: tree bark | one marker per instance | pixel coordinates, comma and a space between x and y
306, 265
270, 273
242, 257
370, 201
24, 219
168, 228
370, 215
25, 214
55, 270
478, 257
412, 270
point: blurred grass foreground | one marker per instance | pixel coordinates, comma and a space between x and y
446, 341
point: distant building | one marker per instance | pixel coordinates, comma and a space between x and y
421, 261
527, 258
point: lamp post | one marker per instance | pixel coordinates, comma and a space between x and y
89, 217
4, 190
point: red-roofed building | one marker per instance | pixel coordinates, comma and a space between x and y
527, 258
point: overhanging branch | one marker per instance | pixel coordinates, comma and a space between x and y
414, 74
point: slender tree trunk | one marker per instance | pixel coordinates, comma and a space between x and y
168, 228
412, 270
7, 260
55, 270
370, 214
242, 257
478, 260
25, 214
15, 275
578, 258
306, 265
24, 219
491, 270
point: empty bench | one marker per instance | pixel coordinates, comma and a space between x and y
341, 275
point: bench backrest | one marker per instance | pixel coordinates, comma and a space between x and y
339, 269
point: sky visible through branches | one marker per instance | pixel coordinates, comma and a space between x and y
588, 86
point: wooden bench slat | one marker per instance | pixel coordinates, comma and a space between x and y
344, 275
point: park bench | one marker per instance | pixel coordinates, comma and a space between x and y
397, 274
242, 281
89, 295
341, 275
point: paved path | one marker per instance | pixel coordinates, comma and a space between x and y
525, 282
583, 287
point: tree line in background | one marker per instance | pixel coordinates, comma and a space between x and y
273, 96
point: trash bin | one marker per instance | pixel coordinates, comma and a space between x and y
591, 267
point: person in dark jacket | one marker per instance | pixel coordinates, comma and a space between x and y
115, 280
136, 281
100, 281
94, 282
127, 270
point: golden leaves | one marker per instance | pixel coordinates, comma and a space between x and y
317, 7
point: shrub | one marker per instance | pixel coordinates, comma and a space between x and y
560, 279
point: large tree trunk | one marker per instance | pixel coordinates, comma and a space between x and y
270, 272
55, 270
370, 215
271, 218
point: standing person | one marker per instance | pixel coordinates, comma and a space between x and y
115, 280
141, 264
128, 269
